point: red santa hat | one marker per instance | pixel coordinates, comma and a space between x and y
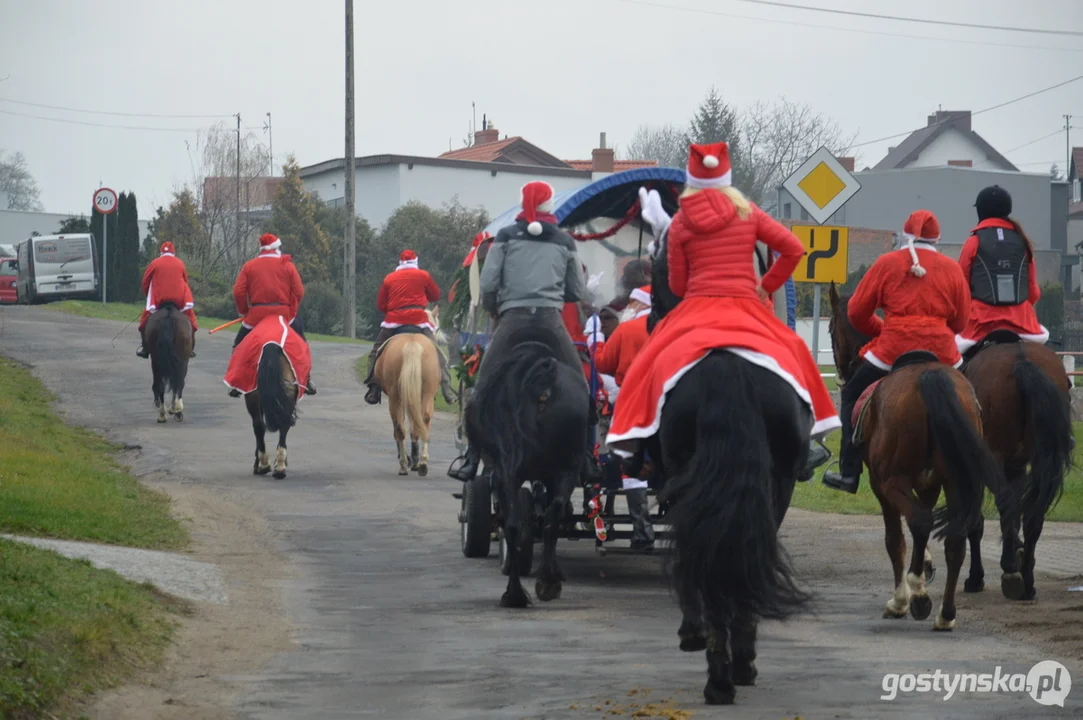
269, 242
922, 226
168, 249
709, 166
408, 258
641, 295
478, 240
537, 198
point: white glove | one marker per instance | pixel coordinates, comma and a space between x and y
592, 326
653, 212
595, 281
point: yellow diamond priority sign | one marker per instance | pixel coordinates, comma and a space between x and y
821, 185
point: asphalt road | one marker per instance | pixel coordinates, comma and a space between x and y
391, 621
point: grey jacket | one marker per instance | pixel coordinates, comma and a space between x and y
523, 270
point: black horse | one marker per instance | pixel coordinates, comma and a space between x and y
529, 419
168, 334
732, 440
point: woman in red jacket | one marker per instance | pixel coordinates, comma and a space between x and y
709, 243
998, 263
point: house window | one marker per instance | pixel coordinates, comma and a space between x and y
804, 215
1075, 191
786, 210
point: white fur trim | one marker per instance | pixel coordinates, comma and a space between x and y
273, 246
392, 326
701, 183
547, 207
652, 248
640, 296
917, 239
265, 253
633, 483
1041, 338
168, 254
710, 161
870, 357
407, 265
963, 344
534, 228
642, 313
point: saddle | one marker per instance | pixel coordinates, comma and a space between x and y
401, 330
997, 337
914, 357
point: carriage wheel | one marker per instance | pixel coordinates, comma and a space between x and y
476, 518
526, 536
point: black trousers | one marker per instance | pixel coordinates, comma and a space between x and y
850, 454
298, 326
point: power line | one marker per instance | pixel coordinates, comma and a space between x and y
860, 31
1058, 131
899, 18
976, 112
102, 125
118, 114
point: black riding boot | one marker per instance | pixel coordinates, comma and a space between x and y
469, 469
372, 397
849, 476
817, 456
142, 352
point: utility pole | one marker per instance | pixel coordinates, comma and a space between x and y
270, 143
349, 248
1068, 150
238, 220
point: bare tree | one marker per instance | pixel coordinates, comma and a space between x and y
18, 184
666, 144
777, 137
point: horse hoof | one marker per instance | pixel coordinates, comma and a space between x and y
403, 471
744, 675
693, 643
162, 419
547, 591
973, 585
422, 470
260, 470
893, 614
717, 696
179, 417
512, 599
1011, 584
942, 625
279, 475
1030, 594
921, 607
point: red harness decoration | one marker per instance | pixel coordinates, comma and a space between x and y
595, 506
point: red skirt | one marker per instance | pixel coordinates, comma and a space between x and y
698, 326
244, 363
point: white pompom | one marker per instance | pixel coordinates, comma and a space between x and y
710, 161
917, 270
534, 228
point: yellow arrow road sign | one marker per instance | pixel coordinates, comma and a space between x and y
826, 253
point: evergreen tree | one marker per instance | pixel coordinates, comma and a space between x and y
715, 121
106, 266
295, 218
128, 273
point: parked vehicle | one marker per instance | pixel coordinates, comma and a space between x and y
9, 272
57, 267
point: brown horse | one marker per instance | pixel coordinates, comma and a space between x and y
271, 406
408, 369
1024, 394
169, 336
921, 433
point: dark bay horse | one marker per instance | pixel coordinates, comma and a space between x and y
271, 406
528, 417
921, 434
1026, 408
732, 440
169, 337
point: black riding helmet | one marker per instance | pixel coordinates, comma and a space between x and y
993, 202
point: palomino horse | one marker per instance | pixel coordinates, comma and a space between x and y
271, 406
732, 440
169, 337
408, 370
921, 433
1024, 394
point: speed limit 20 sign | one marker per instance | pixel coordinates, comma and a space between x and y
105, 201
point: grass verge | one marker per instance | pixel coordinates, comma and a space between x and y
68, 629
129, 312
815, 496
63, 482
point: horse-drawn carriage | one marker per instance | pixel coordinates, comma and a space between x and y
605, 215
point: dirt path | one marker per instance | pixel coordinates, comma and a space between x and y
349, 596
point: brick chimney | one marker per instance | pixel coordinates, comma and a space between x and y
847, 163
959, 118
601, 158
487, 134
961, 163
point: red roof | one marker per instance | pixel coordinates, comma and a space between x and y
489, 152
618, 165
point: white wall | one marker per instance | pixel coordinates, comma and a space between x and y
804, 329
953, 145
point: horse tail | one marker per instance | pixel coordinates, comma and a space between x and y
724, 522
964, 450
275, 401
168, 361
1049, 423
410, 383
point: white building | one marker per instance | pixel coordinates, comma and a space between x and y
17, 225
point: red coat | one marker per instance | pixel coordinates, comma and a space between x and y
267, 285
920, 313
570, 315
710, 247
404, 295
242, 373
166, 281
615, 355
984, 319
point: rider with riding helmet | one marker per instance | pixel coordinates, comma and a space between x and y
531, 271
269, 285
166, 281
403, 297
998, 262
925, 300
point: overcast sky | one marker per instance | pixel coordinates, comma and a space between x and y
556, 73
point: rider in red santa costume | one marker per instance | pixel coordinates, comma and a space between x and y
709, 244
166, 281
403, 297
925, 302
998, 262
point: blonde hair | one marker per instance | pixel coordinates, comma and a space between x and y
744, 207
